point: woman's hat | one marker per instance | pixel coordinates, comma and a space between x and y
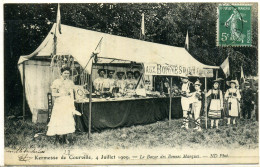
101, 70
137, 72
109, 71
233, 81
247, 83
218, 80
120, 72
198, 83
129, 72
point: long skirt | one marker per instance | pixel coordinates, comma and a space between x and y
62, 119
214, 109
233, 107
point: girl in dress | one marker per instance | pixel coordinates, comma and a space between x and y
233, 98
216, 103
62, 121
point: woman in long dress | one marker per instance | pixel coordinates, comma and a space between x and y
233, 96
216, 103
62, 121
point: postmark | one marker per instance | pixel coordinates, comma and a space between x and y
234, 25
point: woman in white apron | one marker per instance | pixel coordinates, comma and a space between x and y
62, 121
233, 100
216, 103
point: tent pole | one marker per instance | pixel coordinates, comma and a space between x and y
170, 108
206, 114
90, 102
23, 91
216, 74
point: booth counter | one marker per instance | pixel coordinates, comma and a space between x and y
114, 113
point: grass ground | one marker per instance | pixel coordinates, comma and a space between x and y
160, 134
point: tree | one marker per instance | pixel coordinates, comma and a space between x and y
26, 25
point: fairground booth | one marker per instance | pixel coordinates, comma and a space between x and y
154, 97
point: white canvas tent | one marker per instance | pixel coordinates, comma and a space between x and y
81, 43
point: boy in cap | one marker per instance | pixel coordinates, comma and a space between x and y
196, 105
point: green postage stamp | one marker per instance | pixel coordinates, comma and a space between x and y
234, 25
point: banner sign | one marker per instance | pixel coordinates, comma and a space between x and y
176, 70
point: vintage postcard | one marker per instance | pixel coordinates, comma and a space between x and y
131, 83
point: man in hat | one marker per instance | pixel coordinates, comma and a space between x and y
185, 100
120, 82
99, 82
196, 104
130, 82
247, 99
109, 83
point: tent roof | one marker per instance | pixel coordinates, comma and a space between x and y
81, 43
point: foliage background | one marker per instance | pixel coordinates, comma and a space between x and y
26, 25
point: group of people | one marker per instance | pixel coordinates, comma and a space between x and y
62, 118
102, 84
227, 105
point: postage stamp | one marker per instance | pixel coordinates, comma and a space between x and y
234, 25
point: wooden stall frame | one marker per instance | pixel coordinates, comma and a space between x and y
23, 91
170, 107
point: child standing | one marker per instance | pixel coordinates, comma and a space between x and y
196, 105
216, 103
233, 98
185, 100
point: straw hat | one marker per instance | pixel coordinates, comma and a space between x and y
247, 83
137, 72
233, 81
198, 83
120, 72
110, 71
184, 75
218, 80
128, 72
101, 70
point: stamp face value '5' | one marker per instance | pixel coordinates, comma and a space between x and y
234, 25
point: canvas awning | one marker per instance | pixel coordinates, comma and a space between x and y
81, 43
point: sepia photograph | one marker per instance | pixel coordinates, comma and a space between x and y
131, 83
